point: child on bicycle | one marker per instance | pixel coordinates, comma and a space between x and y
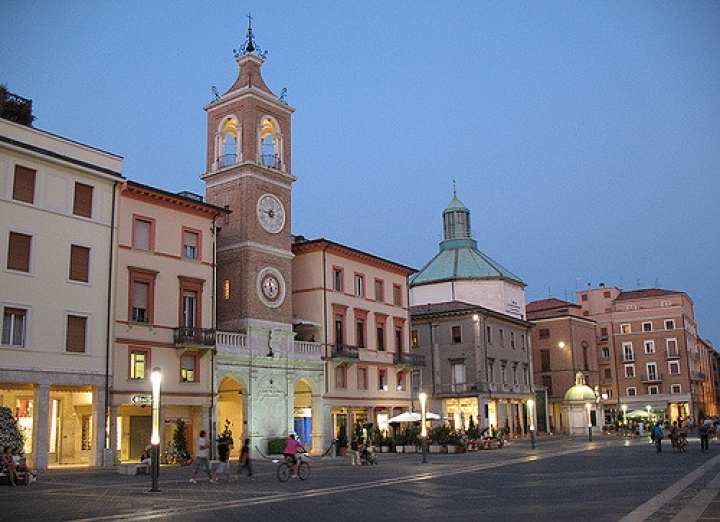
290, 453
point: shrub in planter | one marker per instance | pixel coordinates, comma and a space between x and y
276, 446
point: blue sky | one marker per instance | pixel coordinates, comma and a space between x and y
583, 136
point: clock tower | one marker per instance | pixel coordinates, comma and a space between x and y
248, 171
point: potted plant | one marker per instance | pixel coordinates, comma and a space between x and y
411, 439
342, 441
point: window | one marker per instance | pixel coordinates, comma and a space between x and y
142, 234
606, 353
625, 328
76, 334
188, 368
456, 334
606, 294
653, 390
82, 202
382, 380
603, 331
544, 333
400, 381
674, 367
649, 346
631, 392
545, 360
491, 370
379, 291
360, 333
24, 184
503, 372
415, 339
79, 263
672, 348
647, 327
226, 289
86, 433
142, 291
13, 332
458, 375
629, 371
337, 280
526, 375
19, 252
515, 373
190, 244
398, 339
586, 361
522, 342
380, 337
339, 330
189, 309
512, 339
138, 363
652, 373
608, 374
547, 383
416, 380
675, 388
359, 285
628, 354
489, 334
341, 377
502, 338
669, 324
584, 297
362, 383
397, 295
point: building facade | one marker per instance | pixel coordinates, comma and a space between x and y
58, 205
355, 305
164, 315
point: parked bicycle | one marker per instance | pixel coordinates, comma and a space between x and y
176, 458
284, 470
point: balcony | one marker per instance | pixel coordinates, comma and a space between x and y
272, 161
408, 359
652, 377
698, 376
345, 351
627, 358
185, 337
672, 354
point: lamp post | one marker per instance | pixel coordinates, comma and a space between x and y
624, 409
531, 408
423, 428
648, 410
587, 406
155, 378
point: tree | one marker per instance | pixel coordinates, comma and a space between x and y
179, 437
9, 432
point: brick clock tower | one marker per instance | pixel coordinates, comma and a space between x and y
248, 171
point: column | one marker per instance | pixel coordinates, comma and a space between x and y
40, 426
97, 455
115, 460
319, 443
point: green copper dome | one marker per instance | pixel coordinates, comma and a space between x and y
459, 257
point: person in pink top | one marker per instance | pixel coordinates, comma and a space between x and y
290, 452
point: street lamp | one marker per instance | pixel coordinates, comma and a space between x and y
531, 411
423, 428
648, 410
624, 409
587, 405
155, 378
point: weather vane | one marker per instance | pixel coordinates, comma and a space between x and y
250, 46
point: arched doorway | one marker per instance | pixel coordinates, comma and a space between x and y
231, 410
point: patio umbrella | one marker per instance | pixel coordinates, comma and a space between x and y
638, 413
413, 416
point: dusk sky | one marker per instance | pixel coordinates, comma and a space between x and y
584, 137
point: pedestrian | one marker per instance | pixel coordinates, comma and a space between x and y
201, 458
354, 452
224, 447
657, 436
704, 433
245, 462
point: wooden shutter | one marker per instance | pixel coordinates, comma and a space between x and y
82, 205
79, 263
24, 184
142, 235
19, 252
75, 341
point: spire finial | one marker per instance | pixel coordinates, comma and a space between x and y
249, 46
454, 191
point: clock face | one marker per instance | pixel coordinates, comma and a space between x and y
271, 287
271, 213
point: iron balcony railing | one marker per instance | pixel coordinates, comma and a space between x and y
409, 359
345, 351
652, 377
184, 335
698, 376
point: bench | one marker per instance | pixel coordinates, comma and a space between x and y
5, 477
133, 468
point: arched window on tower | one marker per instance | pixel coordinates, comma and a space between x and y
229, 144
269, 144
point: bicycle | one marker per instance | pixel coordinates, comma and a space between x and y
284, 470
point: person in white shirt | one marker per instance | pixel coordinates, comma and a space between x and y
201, 458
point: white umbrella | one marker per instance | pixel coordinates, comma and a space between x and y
638, 413
413, 416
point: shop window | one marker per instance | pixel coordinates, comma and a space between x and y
82, 201
24, 184
86, 433
188, 368
76, 334
18, 257
14, 325
79, 263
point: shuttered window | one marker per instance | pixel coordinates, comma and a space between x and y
82, 204
79, 263
76, 334
190, 245
13, 332
19, 252
141, 237
140, 301
24, 184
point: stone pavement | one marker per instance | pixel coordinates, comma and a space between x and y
499, 484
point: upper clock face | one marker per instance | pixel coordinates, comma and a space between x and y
270, 287
271, 213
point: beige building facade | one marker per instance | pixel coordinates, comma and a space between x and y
59, 208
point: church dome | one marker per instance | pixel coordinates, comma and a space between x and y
581, 391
